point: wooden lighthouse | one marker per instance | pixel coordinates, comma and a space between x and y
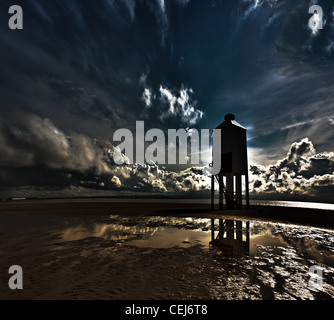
234, 165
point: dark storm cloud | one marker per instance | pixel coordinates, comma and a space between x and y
301, 44
39, 142
86, 68
302, 173
79, 60
39, 154
61, 40
284, 95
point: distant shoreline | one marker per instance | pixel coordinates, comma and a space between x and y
307, 203
321, 218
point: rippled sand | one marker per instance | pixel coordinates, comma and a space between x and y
120, 257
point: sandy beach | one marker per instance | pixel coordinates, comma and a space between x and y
87, 249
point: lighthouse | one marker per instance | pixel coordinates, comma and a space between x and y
234, 165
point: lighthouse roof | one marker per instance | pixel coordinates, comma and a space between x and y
230, 121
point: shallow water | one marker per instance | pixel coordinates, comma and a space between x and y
268, 260
293, 204
140, 257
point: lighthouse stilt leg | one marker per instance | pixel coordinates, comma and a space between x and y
212, 193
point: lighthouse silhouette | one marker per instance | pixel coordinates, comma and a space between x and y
234, 165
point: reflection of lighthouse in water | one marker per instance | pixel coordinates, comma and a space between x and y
232, 237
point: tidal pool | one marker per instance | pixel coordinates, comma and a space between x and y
144, 257
272, 260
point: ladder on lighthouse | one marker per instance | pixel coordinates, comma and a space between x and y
228, 197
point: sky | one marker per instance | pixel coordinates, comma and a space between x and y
80, 70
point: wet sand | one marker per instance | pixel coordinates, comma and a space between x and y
32, 236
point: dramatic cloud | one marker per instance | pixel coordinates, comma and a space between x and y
85, 70
39, 142
74, 160
182, 106
302, 173
176, 105
154, 178
305, 44
147, 97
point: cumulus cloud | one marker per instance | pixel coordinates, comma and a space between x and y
39, 154
303, 172
147, 97
149, 177
181, 105
177, 104
115, 180
40, 142
299, 149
